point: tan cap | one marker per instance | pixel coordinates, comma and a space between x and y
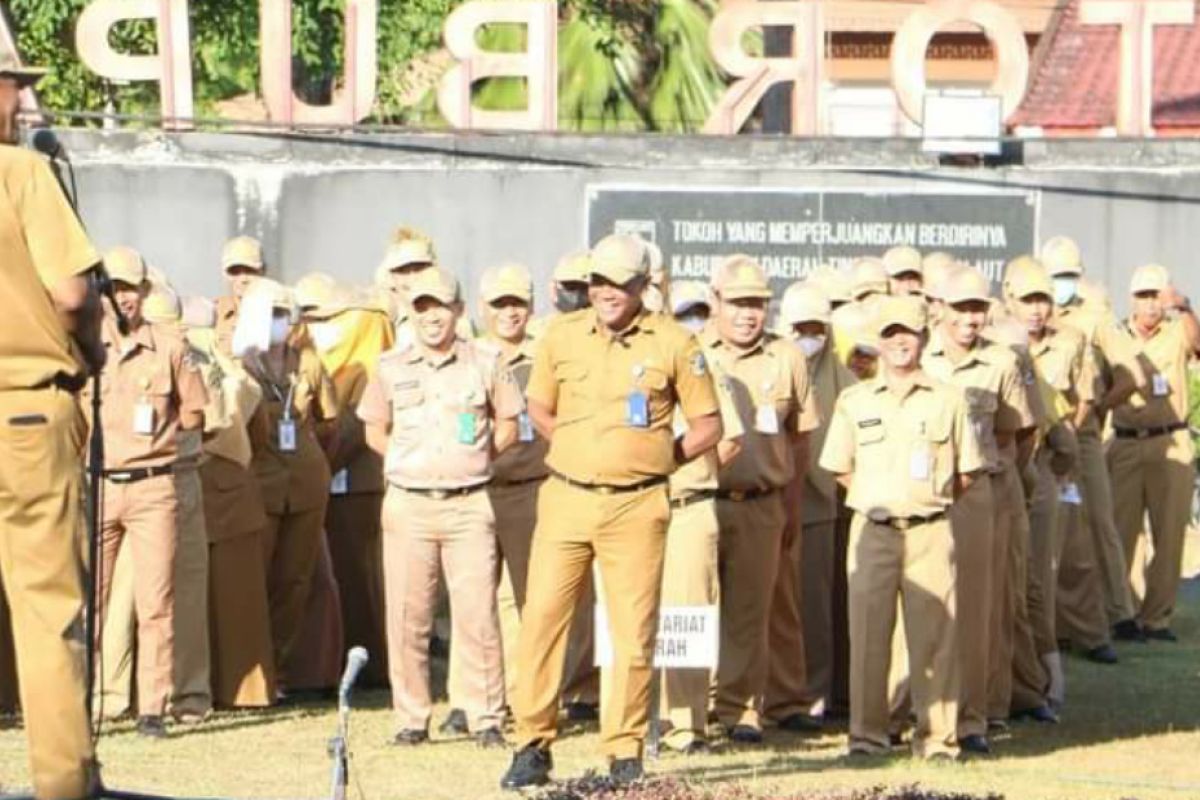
804, 302
574, 267
408, 253
242, 251
506, 280
1026, 276
10, 67
126, 265
1149, 278
1061, 256
906, 311
866, 276
966, 284
619, 259
834, 283
938, 266
901, 259
739, 277
320, 295
686, 294
162, 306
436, 283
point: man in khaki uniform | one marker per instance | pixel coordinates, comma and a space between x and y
51, 323
438, 409
998, 410
804, 317
903, 446
905, 270
603, 391
759, 553
151, 393
1151, 455
242, 262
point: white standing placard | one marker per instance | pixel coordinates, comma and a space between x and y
688, 637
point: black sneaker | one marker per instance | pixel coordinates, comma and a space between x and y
455, 723
489, 738
1043, 713
410, 737
800, 723
975, 745
582, 712
530, 766
745, 734
151, 727
1104, 654
625, 771
1161, 635
1127, 630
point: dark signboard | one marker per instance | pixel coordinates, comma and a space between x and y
792, 231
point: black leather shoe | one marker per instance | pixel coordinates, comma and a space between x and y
1127, 630
745, 734
997, 726
410, 737
800, 723
625, 771
697, 747
975, 745
489, 738
1104, 654
530, 766
455, 723
1043, 714
1160, 635
151, 727
582, 712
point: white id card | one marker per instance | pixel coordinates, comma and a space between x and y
1070, 495
766, 420
1160, 386
524, 427
340, 483
918, 465
287, 436
143, 419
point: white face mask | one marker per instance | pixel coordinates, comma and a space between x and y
811, 345
693, 322
280, 328
1065, 289
325, 335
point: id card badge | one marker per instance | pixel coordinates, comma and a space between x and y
524, 427
466, 428
340, 483
1070, 495
287, 436
143, 419
637, 410
918, 465
766, 420
1160, 386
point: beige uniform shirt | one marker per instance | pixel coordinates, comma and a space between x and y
902, 452
1112, 349
828, 377
1164, 399
1064, 362
991, 380
226, 324
440, 409
525, 459
586, 375
769, 386
148, 381
701, 473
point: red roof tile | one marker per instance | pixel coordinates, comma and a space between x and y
1074, 75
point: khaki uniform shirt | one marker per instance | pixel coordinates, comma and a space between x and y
769, 386
902, 452
1064, 361
525, 459
585, 375
298, 480
226, 324
1163, 400
991, 380
828, 377
148, 382
41, 244
440, 409
1113, 351
232, 398
701, 473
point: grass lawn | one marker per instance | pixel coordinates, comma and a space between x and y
1129, 731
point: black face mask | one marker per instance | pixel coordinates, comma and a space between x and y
567, 300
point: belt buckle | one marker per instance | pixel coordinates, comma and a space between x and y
606, 490
439, 494
1143, 433
737, 496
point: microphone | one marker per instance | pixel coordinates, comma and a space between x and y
356, 659
46, 142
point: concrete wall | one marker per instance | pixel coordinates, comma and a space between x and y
330, 203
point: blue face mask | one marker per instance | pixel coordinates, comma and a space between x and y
1065, 290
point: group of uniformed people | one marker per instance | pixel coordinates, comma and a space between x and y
290, 470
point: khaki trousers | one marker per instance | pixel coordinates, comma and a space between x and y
193, 690
118, 640
291, 548
917, 566
1080, 614
1154, 477
1029, 679
786, 692
319, 653
352, 526
818, 560
841, 611
41, 569
751, 552
144, 514
243, 662
515, 507
1100, 519
1006, 505
456, 535
625, 533
1043, 535
972, 521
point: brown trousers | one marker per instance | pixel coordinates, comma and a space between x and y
144, 515
41, 570
9, 688
1100, 519
787, 678
243, 661
352, 526
1080, 614
972, 520
291, 549
1006, 506
818, 560
456, 535
318, 655
625, 533
1043, 547
515, 508
1027, 688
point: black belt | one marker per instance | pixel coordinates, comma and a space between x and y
694, 497
905, 523
135, 475
1149, 433
444, 494
608, 488
740, 495
61, 380
521, 482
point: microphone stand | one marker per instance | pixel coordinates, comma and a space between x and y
338, 749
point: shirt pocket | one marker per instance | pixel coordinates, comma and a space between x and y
574, 398
156, 390
982, 405
940, 452
655, 382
